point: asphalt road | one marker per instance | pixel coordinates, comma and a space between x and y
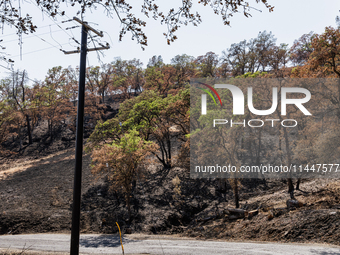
139, 244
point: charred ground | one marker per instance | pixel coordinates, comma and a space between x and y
36, 195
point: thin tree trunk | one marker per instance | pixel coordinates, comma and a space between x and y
29, 131
289, 159
50, 127
298, 184
236, 194
128, 205
290, 181
258, 152
20, 138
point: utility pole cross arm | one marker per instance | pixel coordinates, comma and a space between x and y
99, 48
92, 49
71, 52
89, 27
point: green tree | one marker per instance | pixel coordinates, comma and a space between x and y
185, 68
238, 57
257, 54
160, 79
156, 61
122, 160
152, 116
127, 77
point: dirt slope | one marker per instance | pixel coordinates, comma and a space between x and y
36, 197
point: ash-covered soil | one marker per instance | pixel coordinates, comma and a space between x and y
36, 197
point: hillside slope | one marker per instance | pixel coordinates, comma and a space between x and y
36, 197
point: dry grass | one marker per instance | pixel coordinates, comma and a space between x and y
8, 169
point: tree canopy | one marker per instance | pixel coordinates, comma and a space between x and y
13, 13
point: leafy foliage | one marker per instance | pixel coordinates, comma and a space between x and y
122, 161
152, 116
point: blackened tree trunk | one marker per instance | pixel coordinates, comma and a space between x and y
29, 131
236, 193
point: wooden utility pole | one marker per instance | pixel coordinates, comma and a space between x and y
74, 250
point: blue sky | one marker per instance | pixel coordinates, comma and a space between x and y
289, 20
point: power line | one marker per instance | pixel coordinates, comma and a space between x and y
12, 70
53, 46
2, 36
70, 42
56, 23
6, 68
48, 42
98, 56
70, 20
54, 39
109, 37
33, 35
40, 50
